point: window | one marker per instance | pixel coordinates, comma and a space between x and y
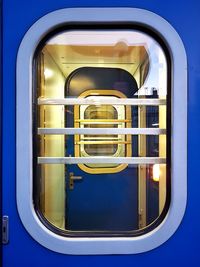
102, 116
108, 195
105, 82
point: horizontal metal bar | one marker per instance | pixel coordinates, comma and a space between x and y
91, 160
105, 122
102, 101
101, 138
104, 131
102, 143
101, 120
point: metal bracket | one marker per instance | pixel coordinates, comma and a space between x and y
5, 229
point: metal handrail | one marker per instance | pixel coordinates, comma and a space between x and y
100, 131
103, 101
93, 159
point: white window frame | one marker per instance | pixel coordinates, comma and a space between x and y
102, 245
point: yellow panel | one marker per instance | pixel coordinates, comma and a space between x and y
128, 59
51, 85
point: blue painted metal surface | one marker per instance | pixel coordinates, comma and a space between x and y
99, 202
183, 247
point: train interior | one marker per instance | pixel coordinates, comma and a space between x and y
101, 65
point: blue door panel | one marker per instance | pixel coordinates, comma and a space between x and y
100, 203
183, 247
106, 201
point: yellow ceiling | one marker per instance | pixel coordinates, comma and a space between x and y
70, 57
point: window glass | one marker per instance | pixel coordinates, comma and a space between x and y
104, 143
101, 121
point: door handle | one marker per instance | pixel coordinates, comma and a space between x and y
73, 178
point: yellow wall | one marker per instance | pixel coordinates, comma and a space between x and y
53, 145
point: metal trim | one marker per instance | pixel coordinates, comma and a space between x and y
101, 121
125, 121
104, 142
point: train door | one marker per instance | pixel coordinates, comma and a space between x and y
97, 193
100, 162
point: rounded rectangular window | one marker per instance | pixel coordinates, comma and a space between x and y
102, 132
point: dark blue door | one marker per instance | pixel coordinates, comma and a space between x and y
106, 201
